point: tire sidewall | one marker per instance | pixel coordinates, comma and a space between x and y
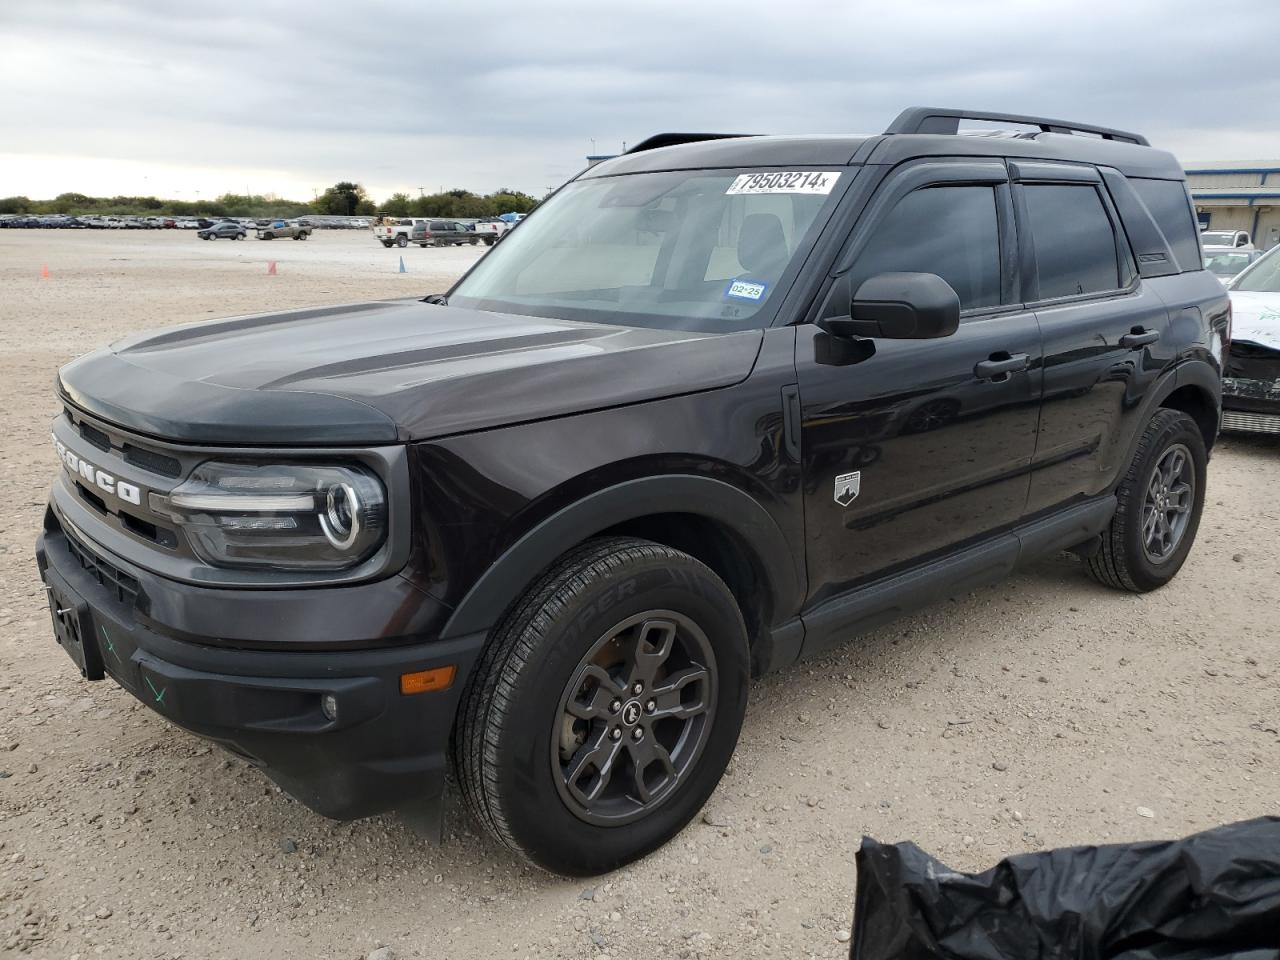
1146, 574
546, 829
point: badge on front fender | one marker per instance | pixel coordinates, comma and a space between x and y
848, 485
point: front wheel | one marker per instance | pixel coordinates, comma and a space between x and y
605, 707
1158, 507
240, 236
402, 241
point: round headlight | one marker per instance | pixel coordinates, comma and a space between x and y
341, 518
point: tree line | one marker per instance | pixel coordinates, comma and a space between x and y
346, 199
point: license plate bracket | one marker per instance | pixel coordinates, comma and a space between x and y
73, 627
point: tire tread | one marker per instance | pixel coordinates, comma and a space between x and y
1109, 566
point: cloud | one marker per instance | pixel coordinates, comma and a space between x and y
281, 96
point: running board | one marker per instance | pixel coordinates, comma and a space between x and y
831, 623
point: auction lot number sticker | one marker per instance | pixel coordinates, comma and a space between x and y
797, 181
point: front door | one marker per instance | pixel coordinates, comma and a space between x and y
910, 447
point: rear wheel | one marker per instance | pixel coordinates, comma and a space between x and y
240, 236
387, 244
1158, 507
605, 707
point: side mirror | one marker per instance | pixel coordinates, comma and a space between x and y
900, 306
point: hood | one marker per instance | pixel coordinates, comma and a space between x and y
1255, 317
387, 372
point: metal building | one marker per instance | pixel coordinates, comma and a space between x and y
1238, 196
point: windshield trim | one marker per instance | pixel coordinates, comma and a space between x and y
763, 319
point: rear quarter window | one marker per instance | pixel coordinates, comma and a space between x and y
1170, 206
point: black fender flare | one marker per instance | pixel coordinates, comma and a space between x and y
1189, 373
714, 499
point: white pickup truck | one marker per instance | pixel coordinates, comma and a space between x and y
492, 227
395, 231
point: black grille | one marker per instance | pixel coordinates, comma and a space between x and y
150, 460
95, 436
125, 587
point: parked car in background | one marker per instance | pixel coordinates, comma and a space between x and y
1251, 378
227, 228
1225, 240
1227, 263
282, 229
494, 227
394, 231
445, 233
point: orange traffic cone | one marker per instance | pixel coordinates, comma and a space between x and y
44, 271
271, 268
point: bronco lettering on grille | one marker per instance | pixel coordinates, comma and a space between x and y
82, 468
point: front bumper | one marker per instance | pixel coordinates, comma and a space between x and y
383, 749
1251, 389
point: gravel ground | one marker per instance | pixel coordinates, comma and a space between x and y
1040, 712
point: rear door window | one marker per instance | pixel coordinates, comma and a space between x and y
1170, 207
439, 225
1074, 241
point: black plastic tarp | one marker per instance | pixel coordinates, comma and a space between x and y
1212, 895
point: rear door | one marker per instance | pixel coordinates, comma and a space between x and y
912, 446
1106, 332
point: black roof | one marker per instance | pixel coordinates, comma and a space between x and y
917, 132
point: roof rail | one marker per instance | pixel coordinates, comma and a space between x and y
673, 139
945, 121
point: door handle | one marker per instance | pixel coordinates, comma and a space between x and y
999, 365
1139, 337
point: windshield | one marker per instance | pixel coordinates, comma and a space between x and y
1263, 276
1217, 239
695, 250
1226, 264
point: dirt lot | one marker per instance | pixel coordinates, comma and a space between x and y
1041, 712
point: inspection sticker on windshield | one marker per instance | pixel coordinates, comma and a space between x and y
746, 290
801, 181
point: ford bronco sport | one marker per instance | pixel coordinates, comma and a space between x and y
721, 403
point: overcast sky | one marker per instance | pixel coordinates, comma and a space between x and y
170, 98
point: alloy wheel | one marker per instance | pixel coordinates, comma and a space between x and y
1166, 508
634, 717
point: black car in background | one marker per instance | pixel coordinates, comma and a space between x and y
719, 404
229, 229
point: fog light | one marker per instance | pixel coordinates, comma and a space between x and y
329, 706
